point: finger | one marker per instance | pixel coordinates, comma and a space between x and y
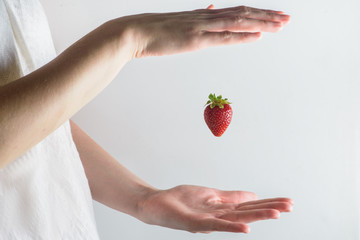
245, 9
221, 225
267, 16
268, 200
210, 6
242, 11
236, 196
280, 206
249, 216
227, 38
241, 24
256, 14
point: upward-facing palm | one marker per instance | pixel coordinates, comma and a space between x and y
200, 209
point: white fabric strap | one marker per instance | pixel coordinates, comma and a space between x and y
9, 62
28, 24
44, 194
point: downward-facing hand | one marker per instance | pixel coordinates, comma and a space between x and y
155, 34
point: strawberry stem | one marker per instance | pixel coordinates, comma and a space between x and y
216, 101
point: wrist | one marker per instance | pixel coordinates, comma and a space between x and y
143, 195
123, 37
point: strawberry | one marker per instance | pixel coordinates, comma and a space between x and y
218, 114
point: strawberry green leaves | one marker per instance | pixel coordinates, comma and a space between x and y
216, 101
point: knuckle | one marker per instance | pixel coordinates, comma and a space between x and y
269, 15
237, 19
266, 24
226, 35
245, 10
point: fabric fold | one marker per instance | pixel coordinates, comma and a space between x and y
44, 194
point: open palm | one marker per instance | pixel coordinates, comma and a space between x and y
201, 209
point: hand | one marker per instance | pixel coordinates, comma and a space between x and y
200, 209
171, 33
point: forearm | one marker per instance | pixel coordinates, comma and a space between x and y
35, 105
110, 183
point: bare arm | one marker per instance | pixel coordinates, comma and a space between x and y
190, 208
35, 105
110, 182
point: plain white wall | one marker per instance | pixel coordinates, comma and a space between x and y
295, 130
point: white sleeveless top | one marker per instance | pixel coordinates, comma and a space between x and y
44, 194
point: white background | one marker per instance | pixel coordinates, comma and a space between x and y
295, 130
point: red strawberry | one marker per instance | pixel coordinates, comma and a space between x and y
218, 114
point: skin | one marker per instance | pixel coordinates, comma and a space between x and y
189, 208
35, 105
